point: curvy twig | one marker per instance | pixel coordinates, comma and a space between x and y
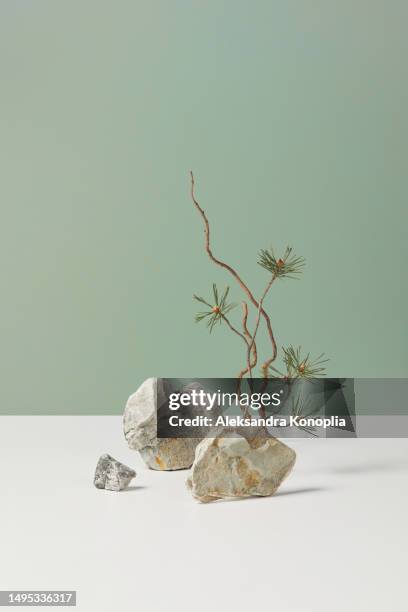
233, 329
258, 318
251, 345
252, 364
241, 283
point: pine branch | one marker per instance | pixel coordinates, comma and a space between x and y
288, 266
231, 270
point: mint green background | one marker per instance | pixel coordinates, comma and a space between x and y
293, 116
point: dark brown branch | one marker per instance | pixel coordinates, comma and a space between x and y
237, 278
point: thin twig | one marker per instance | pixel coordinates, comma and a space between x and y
251, 340
236, 276
233, 329
258, 318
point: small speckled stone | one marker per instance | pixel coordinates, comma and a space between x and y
111, 474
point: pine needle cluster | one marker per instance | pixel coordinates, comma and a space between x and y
289, 266
217, 311
298, 366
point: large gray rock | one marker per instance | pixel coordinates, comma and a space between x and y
140, 429
111, 474
233, 465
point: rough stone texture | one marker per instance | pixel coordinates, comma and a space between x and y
111, 474
140, 427
233, 465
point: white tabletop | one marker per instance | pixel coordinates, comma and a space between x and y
333, 538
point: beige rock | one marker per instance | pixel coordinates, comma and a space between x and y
140, 429
232, 465
170, 453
